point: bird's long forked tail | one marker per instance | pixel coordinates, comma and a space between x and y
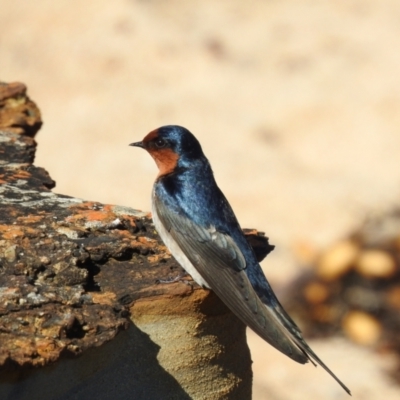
266, 317
294, 334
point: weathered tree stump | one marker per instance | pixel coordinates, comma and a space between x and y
77, 274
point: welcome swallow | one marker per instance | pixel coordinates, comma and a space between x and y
199, 227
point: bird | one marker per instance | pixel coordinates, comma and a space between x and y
198, 226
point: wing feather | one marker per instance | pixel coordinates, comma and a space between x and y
218, 259
220, 262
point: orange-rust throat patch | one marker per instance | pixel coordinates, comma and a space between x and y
166, 160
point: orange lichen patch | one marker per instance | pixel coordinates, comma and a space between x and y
30, 219
146, 243
164, 250
97, 215
156, 258
75, 218
86, 212
104, 298
153, 259
47, 349
11, 232
108, 208
131, 220
21, 174
124, 235
25, 345
54, 330
146, 240
31, 231
2, 181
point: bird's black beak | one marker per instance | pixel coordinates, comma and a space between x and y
138, 144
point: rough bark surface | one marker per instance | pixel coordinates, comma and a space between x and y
74, 273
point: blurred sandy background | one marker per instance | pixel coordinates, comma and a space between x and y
296, 104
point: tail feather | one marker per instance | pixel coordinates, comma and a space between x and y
293, 333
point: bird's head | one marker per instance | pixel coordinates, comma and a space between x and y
171, 146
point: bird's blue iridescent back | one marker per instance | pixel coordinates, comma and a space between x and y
194, 192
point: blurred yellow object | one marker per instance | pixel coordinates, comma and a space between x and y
337, 260
316, 293
361, 327
376, 264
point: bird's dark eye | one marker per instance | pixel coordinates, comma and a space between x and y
160, 143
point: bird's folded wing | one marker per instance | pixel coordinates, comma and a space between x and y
220, 262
